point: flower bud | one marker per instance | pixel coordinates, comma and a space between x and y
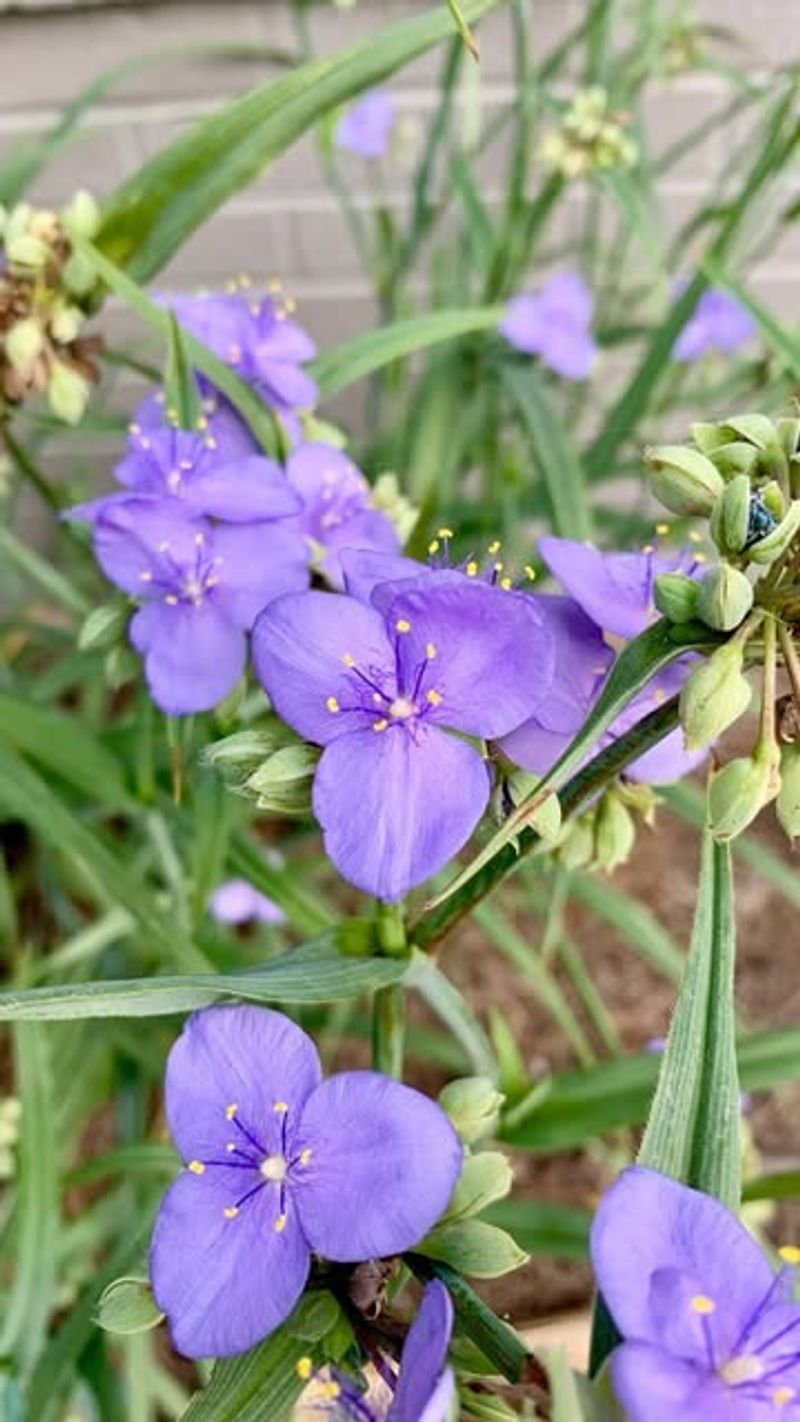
390, 499
788, 432
102, 629
776, 543
709, 437
771, 496
788, 803
715, 695
725, 598
473, 1104
731, 516
67, 392
756, 429
28, 251
683, 479
78, 274
614, 833
740, 790
245, 750
81, 217
282, 785
576, 846
65, 323
675, 596
24, 343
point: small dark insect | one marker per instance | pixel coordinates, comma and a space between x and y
760, 520
368, 1284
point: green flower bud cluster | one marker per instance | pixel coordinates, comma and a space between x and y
604, 836
46, 288
589, 139
269, 766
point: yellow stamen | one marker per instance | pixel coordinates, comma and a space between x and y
782, 1395
435, 697
789, 1253
380, 725
445, 533
648, 548
281, 1107
495, 547
197, 1167
348, 659
434, 545
431, 651
231, 1212
230, 1111
695, 537
662, 529
332, 704
280, 1224
472, 570
498, 567
305, 1368
403, 625
530, 573
702, 1304
329, 1391
506, 584
305, 1155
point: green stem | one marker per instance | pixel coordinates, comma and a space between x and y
792, 660
31, 472
389, 1006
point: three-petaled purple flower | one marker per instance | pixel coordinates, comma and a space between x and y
610, 593
718, 323
238, 901
555, 324
366, 127
711, 1331
280, 1164
425, 1390
202, 586
337, 510
380, 686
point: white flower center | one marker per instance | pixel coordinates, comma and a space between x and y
744, 1369
401, 708
274, 1168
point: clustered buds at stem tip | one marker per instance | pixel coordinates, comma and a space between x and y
683, 479
715, 695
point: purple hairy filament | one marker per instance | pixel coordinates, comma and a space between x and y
755, 1364
184, 581
390, 701
264, 1166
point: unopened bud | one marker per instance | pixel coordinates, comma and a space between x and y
788, 802
65, 323
730, 519
78, 274
739, 791
282, 785
776, 543
102, 629
675, 596
715, 695
67, 392
24, 343
27, 251
576, 846
771, 496
683, 479
245, 750
614, 833
473, 1104
81, 218
756, 429
725, 598
390, 499
737, 457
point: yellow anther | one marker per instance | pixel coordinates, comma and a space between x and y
782, 1395
281, 1107
506, 584
659, 695
134, 429
305, 1155
434, 545
403, 625
171, 600
329, 1391
280, 1224
231, 1146
332, 704
202, 422
444, 533
380, 725
530, 573
695, 537
700, 558
230, 1111
472, 570
435, 697
348, 659
702, 1304
305, 1368
211, 443
199, 539
662, 529
648, 548
231, 1212
495, 547
431, 651
197, 1167
172, 414
789, 1253
498, 567
146, 576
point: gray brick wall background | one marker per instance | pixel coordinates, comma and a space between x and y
288, 224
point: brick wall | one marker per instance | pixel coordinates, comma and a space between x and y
288, 224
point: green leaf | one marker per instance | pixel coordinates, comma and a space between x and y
285, 979
42, 574
783, 1185
180, 386
474, 1248
485, 1178
32, 1294
463, 28
575, 1399
452, 1009
61, 744
352, 360
637, 923
496, 1340
127, 1306
542, 1228
693, 1130
155, 210
553, 451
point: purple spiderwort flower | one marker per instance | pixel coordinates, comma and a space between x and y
554, 323
366, 127
718, 323
337, 512
380, 685
711, 1332
222, 424
272, 1156
202, 586
182, 464
238, 901
610, 593
425, 1390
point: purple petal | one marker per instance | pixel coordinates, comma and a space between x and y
614, 589
249, 1057
533, 748
524, 323
94, 509
569, 351
224, 1283
237, 901
193, 655
336, 506
232, 437
395, 806
365, 570
258, 562
648, 1223
366, 128
286, 384
241, 492
140, 542
299, 646
386, 1152
668, 760
287, 342
493, 654
369, 529
655, 1387
422, 1382
568, 298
